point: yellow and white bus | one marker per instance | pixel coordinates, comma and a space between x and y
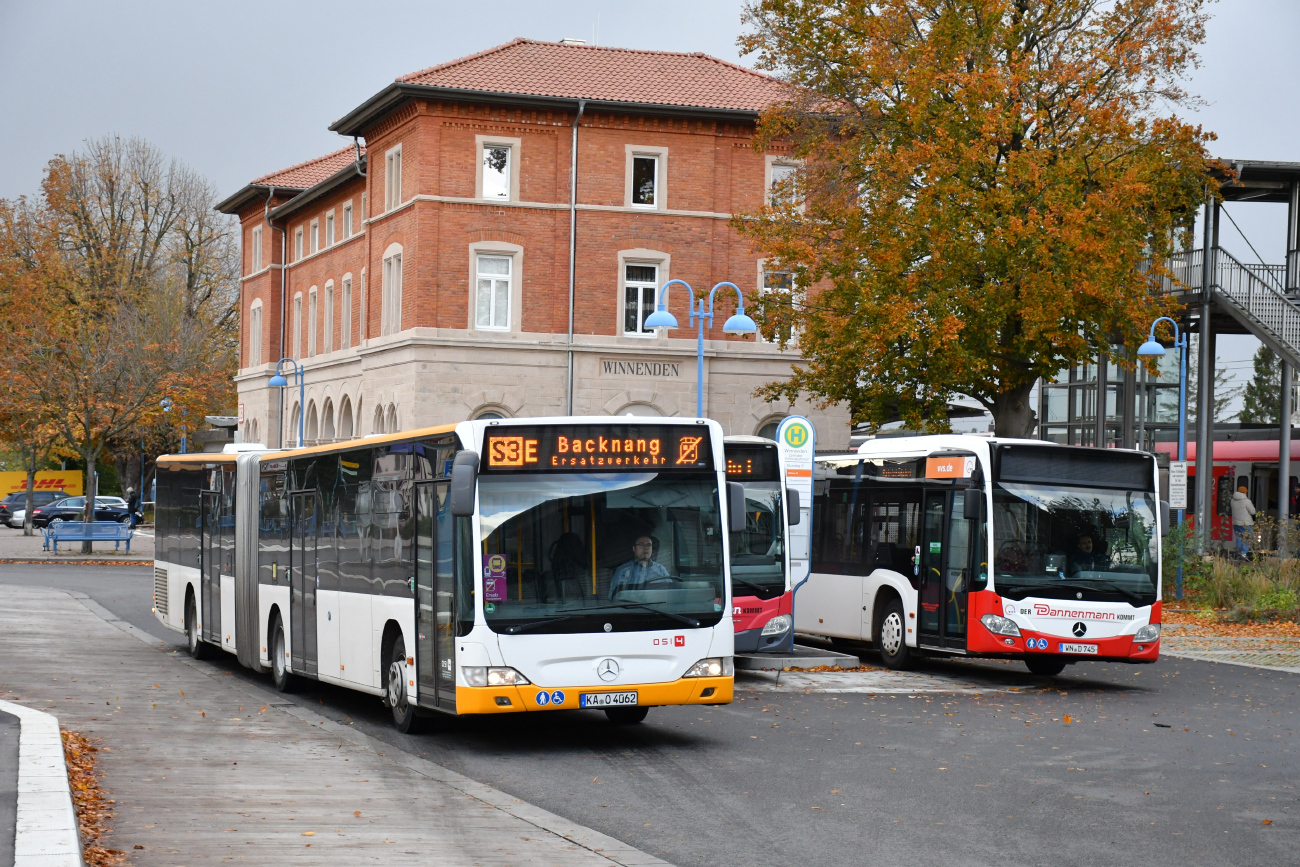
480, 567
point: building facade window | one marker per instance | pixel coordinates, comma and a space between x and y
780, 182
329, 229
312, 321
776, 281
646, 177
363, 321
297, 244
347, 221
496, 172
255, 333
255, 250
327, 335
345, 313
640, 282
315, 235
645, 180
364, 212
393, 178
391, 302
296, 335
492, 301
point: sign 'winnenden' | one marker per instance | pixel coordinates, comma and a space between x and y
641, 369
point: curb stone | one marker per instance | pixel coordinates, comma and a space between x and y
46, 833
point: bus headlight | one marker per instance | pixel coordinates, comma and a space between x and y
777, 625
999, 625
714, 666
1148, 634
481, 675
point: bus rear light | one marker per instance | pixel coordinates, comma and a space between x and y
481, 675
778, 625
714, 666
1148, 634
999, 625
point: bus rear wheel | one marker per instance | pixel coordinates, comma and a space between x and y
1045, 666
405, 715
283, 679
626, 715
891, 637
194, 642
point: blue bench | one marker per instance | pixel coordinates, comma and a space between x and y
96, 531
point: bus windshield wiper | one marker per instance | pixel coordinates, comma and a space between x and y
1130, 595
521, 627
1076, 584
759, 587
681, 618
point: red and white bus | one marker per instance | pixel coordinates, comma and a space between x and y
978, 546
762, 596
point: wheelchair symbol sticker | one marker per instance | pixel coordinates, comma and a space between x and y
557, 697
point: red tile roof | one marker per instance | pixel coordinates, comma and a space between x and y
312, 172
530, 67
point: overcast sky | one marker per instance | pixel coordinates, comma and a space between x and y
239, 88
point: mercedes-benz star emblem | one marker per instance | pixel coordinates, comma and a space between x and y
607, 669
1079, 630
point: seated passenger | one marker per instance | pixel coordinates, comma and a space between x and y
641, 570
1088, 555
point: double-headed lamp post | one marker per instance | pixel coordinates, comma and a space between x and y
166, 404
1153, 349
278, 381
737, 323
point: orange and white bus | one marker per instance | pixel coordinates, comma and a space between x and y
481, 567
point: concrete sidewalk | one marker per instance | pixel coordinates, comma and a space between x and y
207, 769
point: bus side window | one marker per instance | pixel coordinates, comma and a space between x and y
465, 574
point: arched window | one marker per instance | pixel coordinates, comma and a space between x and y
491, 413
640, 409
345, 419
392, 419
768, 428
391, 304
252, 432
255, 333
292, 435
378, 425
313, 429
327, 422
295, 351
313, 324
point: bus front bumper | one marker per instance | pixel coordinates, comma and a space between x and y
512, 699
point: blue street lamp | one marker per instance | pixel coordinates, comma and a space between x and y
738, 323
166, 404
1152, 349
278, 381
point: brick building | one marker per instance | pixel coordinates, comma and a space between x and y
425, 275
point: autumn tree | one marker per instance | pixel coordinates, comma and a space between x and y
120, 289
982, 185
1262, 396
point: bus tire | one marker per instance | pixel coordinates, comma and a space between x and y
284, 680
622, 716
198, 649
1045, 666
891, 637
405, 715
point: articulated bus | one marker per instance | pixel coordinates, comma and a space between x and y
760, 559
977, 546
482, 567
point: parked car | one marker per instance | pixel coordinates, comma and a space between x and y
12, 506
72, 509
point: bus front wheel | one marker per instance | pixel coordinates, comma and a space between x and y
284, 679
626, 715
891, 637
396, 696
1045, 666
194, 641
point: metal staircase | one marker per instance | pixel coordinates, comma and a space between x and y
1253, 295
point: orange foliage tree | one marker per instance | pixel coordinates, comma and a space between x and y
982, 183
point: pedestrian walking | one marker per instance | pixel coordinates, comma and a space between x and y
133, 507
1243, 520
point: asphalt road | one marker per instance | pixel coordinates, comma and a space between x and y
1181, 762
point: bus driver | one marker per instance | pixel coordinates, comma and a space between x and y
641, 570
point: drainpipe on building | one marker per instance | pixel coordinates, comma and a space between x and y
573, 249
284, 255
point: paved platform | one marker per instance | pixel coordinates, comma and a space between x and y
884, 682
1275, 653
802, 657
205, 768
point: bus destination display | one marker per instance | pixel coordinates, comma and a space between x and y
597, 448
751, 462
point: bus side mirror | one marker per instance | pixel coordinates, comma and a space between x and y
736, 507
792, 507
464, 476
1165, 526
972, 505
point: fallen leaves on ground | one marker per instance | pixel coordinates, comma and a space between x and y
93, 811
1208, 623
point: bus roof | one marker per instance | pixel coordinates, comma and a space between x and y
195, 460
361, 442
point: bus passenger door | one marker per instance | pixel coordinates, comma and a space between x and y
960, 563
435, 618
210, 565
302, 585
930, 579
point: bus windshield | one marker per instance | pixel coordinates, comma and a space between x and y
1068, 542
601, 552
758, 551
